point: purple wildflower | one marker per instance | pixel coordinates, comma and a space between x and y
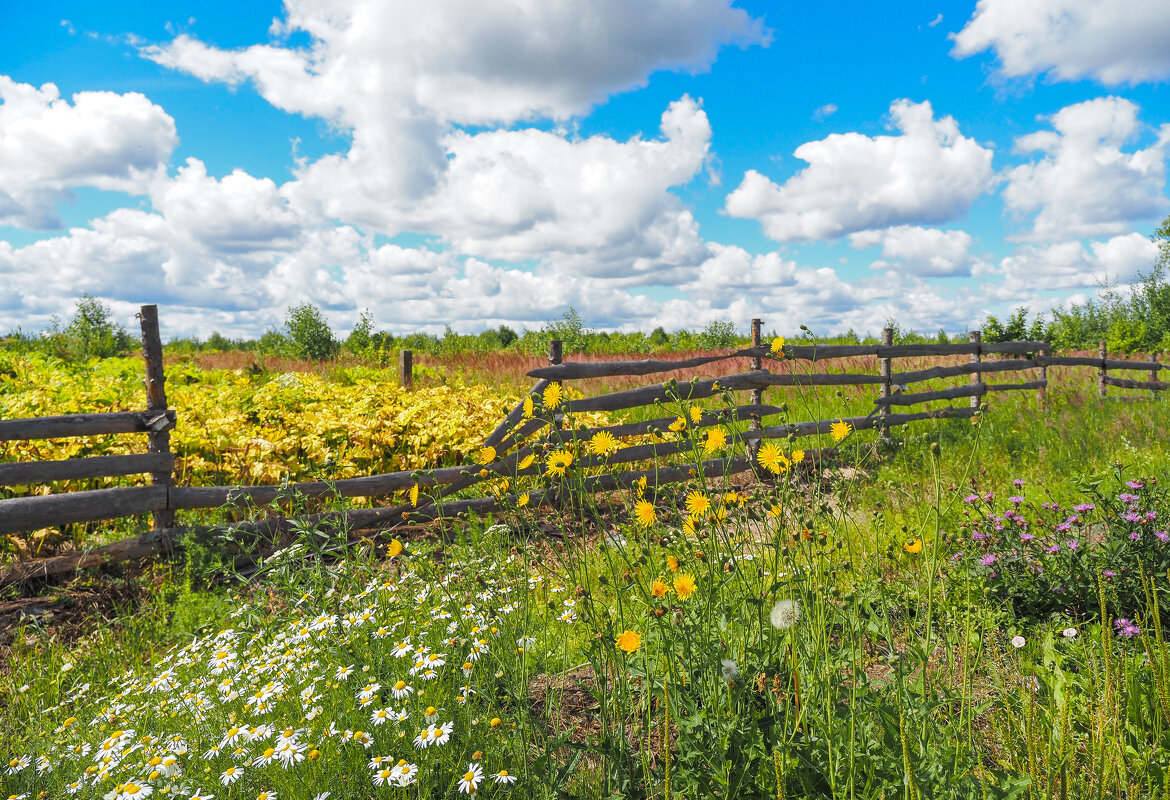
1130, 516
1134, 484
971, 498
1017, 499
988, 559
1073, 544
1083, 507
1151, 516
1063, 527
1026, 537
1053, 549
1018, 482
1108, 573
1125, 497
1126, 628
1163, 537
1135, 536
987, 498
978, 536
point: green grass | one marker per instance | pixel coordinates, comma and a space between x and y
899, 678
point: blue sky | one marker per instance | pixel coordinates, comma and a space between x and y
666, 162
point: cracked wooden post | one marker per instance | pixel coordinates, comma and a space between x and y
757, 395
1042, 391
885, 366
158, 441
976, 338
555, 356
1102, 371
406, 369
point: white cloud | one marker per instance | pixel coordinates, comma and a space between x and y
827, 110
118, 142
930, 173
1071, 265
927, 252
1084, 184
1121, 41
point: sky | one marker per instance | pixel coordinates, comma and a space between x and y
473, 163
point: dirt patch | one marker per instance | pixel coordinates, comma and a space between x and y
67, 614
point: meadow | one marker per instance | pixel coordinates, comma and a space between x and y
968, 609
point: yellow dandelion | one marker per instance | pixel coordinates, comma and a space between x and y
719, 515
552, 396
684, 585
528, 407
659, 588
772, 459
526, 462
679, 425
775, 511
778, 346
558, 462
690, 525
414, 495
698, 504
640, 487
672, 563
394, 548
628, 641
696, 414
645, 514
603, 443
522, 500
716, 440
487, 455
913, 546
840, 429
797, 456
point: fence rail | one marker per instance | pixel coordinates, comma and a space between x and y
513, 437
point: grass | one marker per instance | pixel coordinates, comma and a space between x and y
829, 633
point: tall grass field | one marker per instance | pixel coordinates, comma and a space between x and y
965, 609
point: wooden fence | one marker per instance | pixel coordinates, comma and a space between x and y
518, 436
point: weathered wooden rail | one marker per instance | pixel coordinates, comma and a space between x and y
516, 437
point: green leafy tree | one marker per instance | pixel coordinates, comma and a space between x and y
720, 333
309, 333
360, 339
92, 333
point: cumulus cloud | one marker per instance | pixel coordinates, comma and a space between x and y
929, 173
927, 252
1122, 41
48, 146
1084, 184
1072, 265
400, 78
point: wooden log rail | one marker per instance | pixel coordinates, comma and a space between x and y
515, 437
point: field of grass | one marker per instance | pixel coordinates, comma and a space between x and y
969, 610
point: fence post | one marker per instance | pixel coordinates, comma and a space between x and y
976, 338
757, 395
158, 441
406, 369
1042, 392
885, 365
555, 356
1154, 376
1102, 370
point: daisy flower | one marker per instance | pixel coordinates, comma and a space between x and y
503, 776
231, 775
401, 690
470, 780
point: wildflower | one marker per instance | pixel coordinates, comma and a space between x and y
1073, 544
18, 764
659, 588
797, 456
1018, 642
775, 510
504, 777
470, 781
913, 546
442, 733
381, 715
266, 796
840, 429
679, 425
526, 462
1126, 628
988, 559
1016, 499
558, 462
603, 443
645, 514
552, 396
684, 585
730, 670
394, 548
384, 776
672, 563
772, 459
522, 500
628, 641
1069, 633
231, 775
487, 455
778, 346
401, 690
134, 791
414, 495
528, 407
716, 440
496, 722
698, 504
1084, 507
785, 614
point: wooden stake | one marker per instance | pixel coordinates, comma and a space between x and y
976, 338
1103, 370
885, 366
406, 369
1042, 392
159, 441
555, 356
1154, 376
757, 395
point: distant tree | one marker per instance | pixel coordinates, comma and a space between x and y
506, 335
274, 343
659, 337
941, 337
718, 334
360, 338
92, 333
309, 333
217, 342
